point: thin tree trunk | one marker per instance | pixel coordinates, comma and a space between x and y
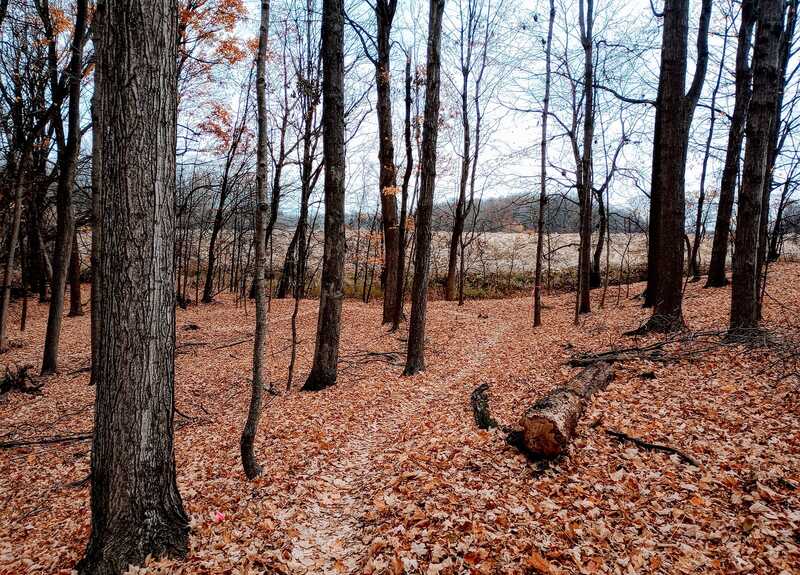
137, 510
401, 252
65, 220
251, 467
75, 304
730, 170
415, 359
384, 15
5, 302
537, 277
699, 227
586, 167
326, 351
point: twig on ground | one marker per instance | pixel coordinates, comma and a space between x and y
652, 446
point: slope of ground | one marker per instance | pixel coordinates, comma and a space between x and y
385, 474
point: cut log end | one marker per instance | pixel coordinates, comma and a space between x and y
549, 425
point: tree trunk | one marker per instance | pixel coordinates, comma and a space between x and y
415, 359
674, 117
595, 277
384, 14
699, 222
397, 313
251, 467
8, 268
136, 507
730, 170
776, 141
537, 281
460, 215
549, 425
326, 351
65, 220
762, 114
208, 287
75, 304
586, 166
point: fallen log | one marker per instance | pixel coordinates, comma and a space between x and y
549, 425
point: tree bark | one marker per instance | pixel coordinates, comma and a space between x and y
766, 76
251, 467
326, 351
136, 507
415, 359
730, 170
549, 425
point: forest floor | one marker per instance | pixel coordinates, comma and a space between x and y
386, 474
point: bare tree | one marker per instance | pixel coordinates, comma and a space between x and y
537, 281
68, 165
251, 467
674, 111
415, 358
750, 210
730, 171
326, 351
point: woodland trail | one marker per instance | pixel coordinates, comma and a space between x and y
336, 535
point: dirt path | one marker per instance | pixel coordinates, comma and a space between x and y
335, 536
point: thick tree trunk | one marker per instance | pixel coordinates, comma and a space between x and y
549, 425
537, 281
75, 304
750, 211
65, 219
727, 189
251, 467
669, 158
136, 507
415, 359
326, 351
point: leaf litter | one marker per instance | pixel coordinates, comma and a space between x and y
386, 474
